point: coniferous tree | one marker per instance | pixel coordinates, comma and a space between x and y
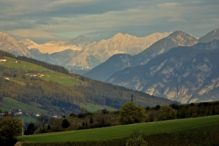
91, 120
65, 123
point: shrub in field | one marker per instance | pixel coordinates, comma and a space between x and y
136, 139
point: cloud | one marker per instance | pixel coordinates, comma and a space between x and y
31, 33
52, 19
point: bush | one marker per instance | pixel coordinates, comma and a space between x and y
9, 128
131, 113
167, 113
136, 139
65, 123
30, 128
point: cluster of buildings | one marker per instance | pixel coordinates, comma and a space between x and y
17, 113
14, 113
36, 75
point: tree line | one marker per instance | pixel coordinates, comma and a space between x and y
44, 64
129, 113
3, 53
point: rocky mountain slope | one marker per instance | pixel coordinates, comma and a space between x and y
210, 36
9, 44
58, 58
185, 74
80, 41
50, 47
119, 62
115, 63
98, 52
177, 38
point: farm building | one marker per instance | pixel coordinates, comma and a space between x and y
2, 60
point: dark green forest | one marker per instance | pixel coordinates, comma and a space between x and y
3, 53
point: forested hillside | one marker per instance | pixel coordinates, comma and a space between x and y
60, 93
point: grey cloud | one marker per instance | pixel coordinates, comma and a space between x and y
17, 25
107, 17
72, 9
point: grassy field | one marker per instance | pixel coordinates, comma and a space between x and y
27, 119
49, 74
117, 132
10, 103
93, 108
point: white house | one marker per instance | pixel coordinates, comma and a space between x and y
54, 116
19, 112
37, 115
33, 75
2, 60
6, 78
41, 75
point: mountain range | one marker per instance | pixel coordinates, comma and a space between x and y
184, 74
81, 52
119, 62
187, 73
98, 52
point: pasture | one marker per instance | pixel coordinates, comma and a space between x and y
49, 74
10, 103
119, 132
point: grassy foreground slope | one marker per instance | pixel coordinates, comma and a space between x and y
150, 130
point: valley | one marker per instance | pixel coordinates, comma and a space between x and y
61, 93
109, 73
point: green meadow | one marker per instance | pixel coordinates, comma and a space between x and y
120, 132
10, 103
49, 74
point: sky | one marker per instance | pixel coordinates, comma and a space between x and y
52, 20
